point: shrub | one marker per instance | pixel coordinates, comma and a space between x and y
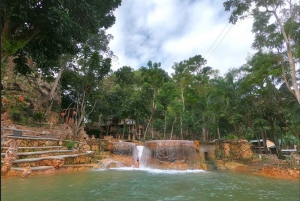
70, 144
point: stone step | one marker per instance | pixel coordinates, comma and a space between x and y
40, 161
34, 154
37, 168
18, 171
31, 149
28, 133
54, 138
47, 158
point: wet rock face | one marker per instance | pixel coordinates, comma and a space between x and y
170, 154
123, 148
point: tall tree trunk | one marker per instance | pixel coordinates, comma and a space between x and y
182, 97
153, 107
82, 112
218, 130
259, 143
276, 142
165, 126
152, 133
264, 137
286, 37
124, 126
204, 129
129, 130
139, 132
181, 127
172, 128
62, 63
148, 124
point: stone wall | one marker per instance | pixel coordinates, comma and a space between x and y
206, 150
235, 150
95, 145
37, 142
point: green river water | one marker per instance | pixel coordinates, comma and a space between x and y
148, 184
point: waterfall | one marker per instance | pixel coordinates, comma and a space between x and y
169, 154
140, 151
139, 154
156, 154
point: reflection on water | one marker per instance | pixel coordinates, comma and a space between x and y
148, 184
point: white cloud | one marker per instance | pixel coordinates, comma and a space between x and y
170, 31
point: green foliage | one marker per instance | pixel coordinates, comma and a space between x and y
219, 154
289, 141
249, 133
231, 137
45, 31
125, 76
39, 116
276, 29
16, 116
12, 46
21, 64
82, 85
70, 144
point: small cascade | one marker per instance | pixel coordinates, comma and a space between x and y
125, 153
170, 154
107, 164
139, 154
156, 154
140, 151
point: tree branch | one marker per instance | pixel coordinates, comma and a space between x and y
284, 75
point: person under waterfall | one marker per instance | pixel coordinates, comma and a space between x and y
137, 163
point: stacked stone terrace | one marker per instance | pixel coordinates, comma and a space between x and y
46, 151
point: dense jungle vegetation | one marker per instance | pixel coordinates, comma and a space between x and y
69, 45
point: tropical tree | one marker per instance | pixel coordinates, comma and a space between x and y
277, 28
44, 30
154, 78
81, 82
164, 98
192, 78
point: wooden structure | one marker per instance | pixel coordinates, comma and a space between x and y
258, 145
125, 129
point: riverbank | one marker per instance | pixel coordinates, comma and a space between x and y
276, 169
267, 165
272, 168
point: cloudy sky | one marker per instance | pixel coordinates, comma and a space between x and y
169, 31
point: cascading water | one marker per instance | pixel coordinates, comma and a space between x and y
123, 154
157, 154
123, 148
170, 154
140, 150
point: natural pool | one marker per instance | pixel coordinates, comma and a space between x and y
148, 184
